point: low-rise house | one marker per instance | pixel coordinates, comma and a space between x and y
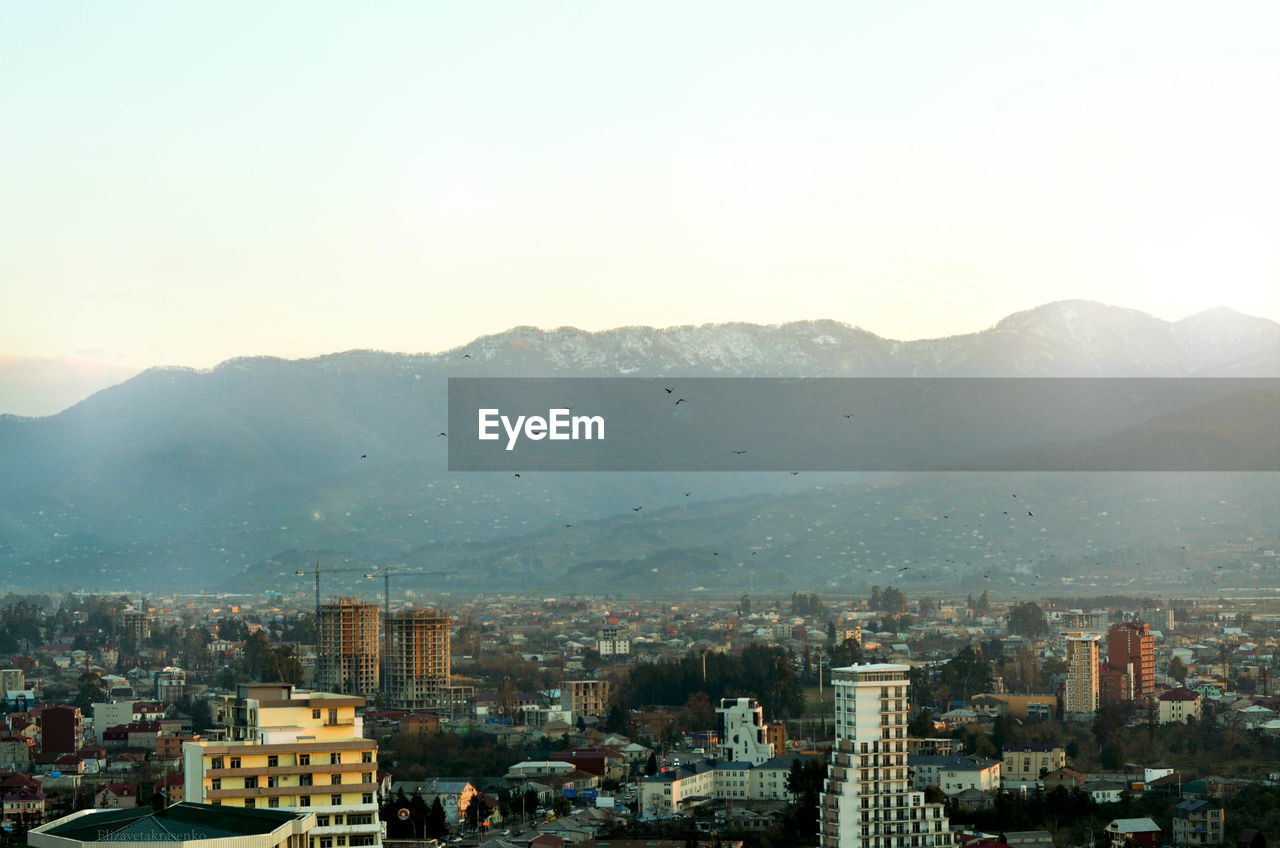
116, 795
1179, 705
1138, 833
954, 774
1026, 763
1198, 822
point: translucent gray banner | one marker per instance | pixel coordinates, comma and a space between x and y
724, 424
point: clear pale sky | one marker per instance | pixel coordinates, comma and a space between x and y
185, 182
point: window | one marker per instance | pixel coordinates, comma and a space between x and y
326, 842
335, 779
333, 715
360, 818
216, 763
315, 714
273, 781
322, 821
235, 762
367, 777
251, 783
304, 801
273, 761
304, 759
335, 758
273, 802
362, 839
304, 780
366, 756
216, 802
337, 819
216, 783
336, 800
366, 798
250, 803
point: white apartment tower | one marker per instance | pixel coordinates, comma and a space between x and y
1080, 700
868, 801
743, 739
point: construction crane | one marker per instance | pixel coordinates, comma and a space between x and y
386, 605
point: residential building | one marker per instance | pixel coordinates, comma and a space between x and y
1080, 699
1132, 649
613, 641
743, 739
135, 627
867, 801
954, 774
418, 658
61, 730
115, 796
1198, 822
12, 680
195, 825
1031, 762
347, 650
585, 697
290, 749
1132, 833
1179, 705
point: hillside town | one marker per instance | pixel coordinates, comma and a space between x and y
884, 721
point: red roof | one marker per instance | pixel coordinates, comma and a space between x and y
1181, 694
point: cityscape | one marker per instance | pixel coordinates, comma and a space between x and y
513, 721
717, 424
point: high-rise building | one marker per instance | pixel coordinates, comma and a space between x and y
1082, 691
347, 647
418, 659
135, 627
868, 801
1132, 649
285, 749
743, 739
61, 730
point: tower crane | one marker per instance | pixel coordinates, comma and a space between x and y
385, 570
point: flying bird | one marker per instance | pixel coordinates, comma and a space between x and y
364, 456
740, 453
667, 389
687, 494
794, 473
848, 415
515, 475
466, 356
444, 434
568, 525
1029, 512
636, 508
680, 401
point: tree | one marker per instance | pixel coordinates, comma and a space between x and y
651, 766
437, 823
1027, 619
1177, 669
921, 727
478, 812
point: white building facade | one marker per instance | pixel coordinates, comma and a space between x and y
868, 801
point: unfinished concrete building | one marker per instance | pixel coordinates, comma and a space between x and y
348, 657
417, 659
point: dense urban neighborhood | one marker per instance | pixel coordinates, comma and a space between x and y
889, 721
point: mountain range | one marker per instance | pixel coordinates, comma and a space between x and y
240, 475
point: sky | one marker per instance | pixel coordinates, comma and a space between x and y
185, 183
